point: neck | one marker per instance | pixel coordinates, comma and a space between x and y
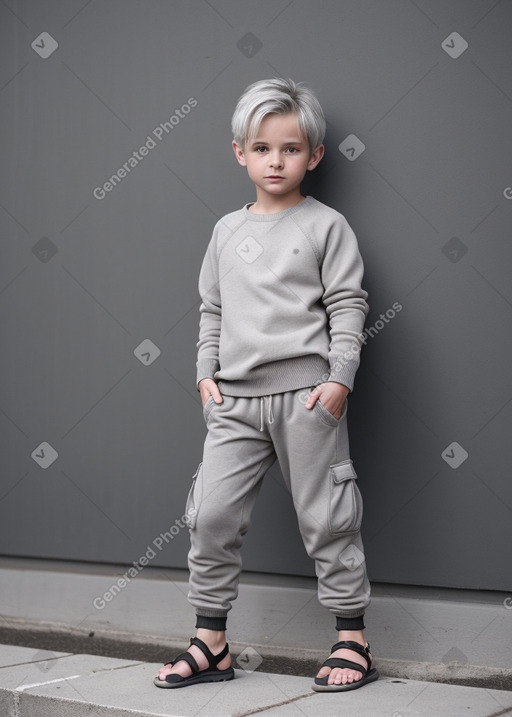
271, 205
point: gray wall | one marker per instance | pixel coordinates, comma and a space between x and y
85, 280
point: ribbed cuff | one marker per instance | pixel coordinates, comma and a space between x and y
349, 623
206, 368
211, 623
343, 370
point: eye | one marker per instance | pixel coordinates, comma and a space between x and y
292, 150
260, 149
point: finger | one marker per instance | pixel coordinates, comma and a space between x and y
205, 394
216, 394
313, 397
333, 408
207, 388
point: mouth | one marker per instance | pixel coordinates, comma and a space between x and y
274, 176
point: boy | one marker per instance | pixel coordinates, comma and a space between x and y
280, 333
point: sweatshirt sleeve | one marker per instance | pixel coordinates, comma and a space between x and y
344, 300
210, 314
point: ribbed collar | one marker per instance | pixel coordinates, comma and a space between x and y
276, 216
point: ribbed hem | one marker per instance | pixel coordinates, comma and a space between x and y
349, 623
279, 376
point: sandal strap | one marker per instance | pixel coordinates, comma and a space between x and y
347, 664
189, 659
355, 647
213, 660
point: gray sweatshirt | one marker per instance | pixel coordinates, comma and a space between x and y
282, 304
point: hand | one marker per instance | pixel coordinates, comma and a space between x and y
207, 388
332, 396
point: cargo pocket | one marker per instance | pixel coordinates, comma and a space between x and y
345, 501
193, 499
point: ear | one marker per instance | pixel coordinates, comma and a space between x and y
239, 154
316, 157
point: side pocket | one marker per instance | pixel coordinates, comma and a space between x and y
327, 416
193, 498
345, 501
210, 403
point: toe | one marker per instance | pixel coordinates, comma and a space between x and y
340, 676
324, 671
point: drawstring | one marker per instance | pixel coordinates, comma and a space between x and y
270, 415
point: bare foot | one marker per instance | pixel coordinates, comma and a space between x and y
215, 639
343, 676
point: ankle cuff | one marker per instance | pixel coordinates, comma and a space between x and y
211, 623
349, 623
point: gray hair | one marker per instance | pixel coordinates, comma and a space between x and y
278, 96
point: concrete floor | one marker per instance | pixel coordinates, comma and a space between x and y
66, 685
69, 616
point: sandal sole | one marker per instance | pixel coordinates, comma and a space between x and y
223, 676
370, 677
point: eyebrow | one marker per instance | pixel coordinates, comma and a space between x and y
257, 142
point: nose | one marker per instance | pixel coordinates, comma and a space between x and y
275, 159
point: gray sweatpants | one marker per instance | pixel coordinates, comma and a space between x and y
245, 435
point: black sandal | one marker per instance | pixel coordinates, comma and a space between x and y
209, 674
369, 674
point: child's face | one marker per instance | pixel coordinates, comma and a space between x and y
278, 157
